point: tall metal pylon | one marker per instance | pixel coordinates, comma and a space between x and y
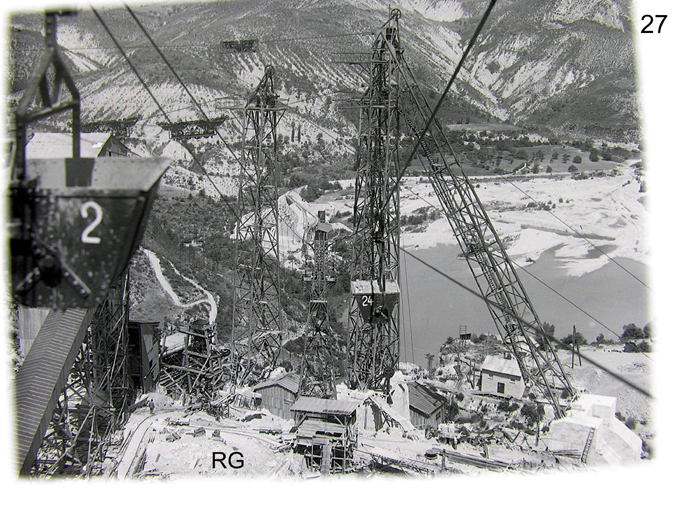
373, 344
257, 315
316, 369
493, 270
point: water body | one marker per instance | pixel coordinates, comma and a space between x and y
435, 307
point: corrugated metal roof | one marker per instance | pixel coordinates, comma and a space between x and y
424, 400
497, 364
324, 405
42, 377
58, 145
290, 382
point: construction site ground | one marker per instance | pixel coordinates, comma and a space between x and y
635, 367
173, 442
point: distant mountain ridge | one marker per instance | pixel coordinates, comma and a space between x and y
563, 64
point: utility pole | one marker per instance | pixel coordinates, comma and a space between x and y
430, 364
575, 347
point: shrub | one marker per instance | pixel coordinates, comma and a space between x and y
508, 406
631, 422
645, 346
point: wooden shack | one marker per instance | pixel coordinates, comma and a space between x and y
427, 407
326, 432
278, 395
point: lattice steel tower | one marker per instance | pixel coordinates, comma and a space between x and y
317, 361
373, 345
492, 268
257, 315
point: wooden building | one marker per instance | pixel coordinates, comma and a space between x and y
278, 395
326, 432
58, 145
501, 376
427, 407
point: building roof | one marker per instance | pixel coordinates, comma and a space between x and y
324, 406
424, 400
290, 382
497, 364
58, 145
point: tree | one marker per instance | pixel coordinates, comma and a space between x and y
573, 168
549, 170
577, 159
632, 332
533, 413
569, 339
594, 156
548, 329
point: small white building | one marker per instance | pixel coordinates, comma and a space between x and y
501, 376
592, 431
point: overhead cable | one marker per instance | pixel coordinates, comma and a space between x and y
534, 328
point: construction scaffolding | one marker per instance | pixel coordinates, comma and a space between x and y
373, 345
197, 370
257, 313
94, 402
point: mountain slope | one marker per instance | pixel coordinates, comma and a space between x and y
537, 62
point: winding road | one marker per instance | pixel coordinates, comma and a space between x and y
156, 265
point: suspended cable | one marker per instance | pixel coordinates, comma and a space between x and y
142, 81
208, 45
563, 297
538, 279
410, 318
580, 235
536, 330
180, 81
200, 110
445, 92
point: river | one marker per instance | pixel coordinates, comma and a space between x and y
433, 308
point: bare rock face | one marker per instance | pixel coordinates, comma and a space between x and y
558, 63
